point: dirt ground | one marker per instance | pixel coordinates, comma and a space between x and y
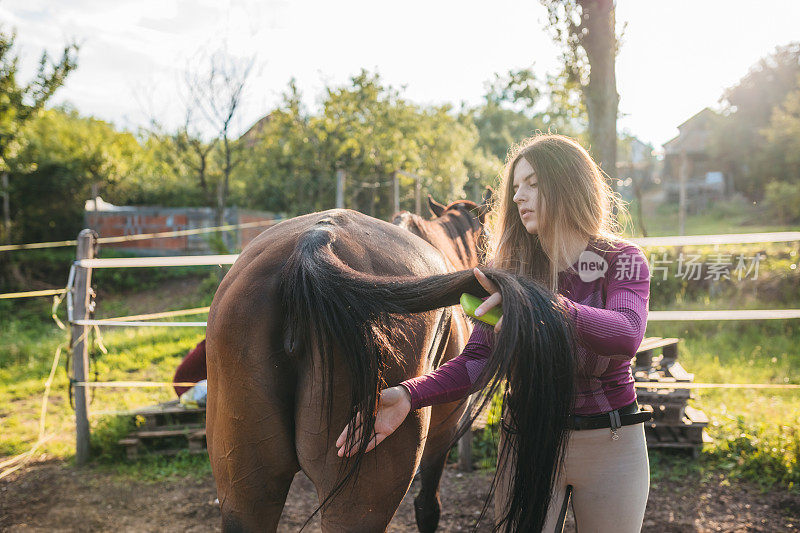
52, 496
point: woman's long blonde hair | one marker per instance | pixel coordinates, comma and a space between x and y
575, 201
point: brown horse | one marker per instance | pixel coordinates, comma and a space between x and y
278, 397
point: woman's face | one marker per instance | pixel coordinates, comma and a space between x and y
526, 195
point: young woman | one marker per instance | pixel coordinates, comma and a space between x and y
554, 223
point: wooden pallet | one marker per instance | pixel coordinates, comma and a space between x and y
167, 440
645, 352
675, 424
170, 413
167, 429
688, 435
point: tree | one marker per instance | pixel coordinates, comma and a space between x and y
367, 130
507, 114
290, 164
186, 154
766, 85
20, 103
782, 136
62, 157
751, 121
782, 159
517, 105
586, 31
216, 94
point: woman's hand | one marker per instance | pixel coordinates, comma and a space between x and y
394, 405
495, 298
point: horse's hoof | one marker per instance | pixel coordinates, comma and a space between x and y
427, 519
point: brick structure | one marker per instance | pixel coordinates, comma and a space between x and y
112, 221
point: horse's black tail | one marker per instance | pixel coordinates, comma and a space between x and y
331, 305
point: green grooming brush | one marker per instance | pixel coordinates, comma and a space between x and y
470, 303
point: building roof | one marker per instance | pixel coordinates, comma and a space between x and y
699, 118
693, 136
253, 132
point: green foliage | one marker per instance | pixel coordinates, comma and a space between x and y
740, 280
288, 169
369, 131
500, 128
782, 201
782, 135
765, 85
22, 270
105, 436
365, 129
484, 445
672, 465
734, 215
28, 339
518, 104
20, 102
157, 468
208, 286
19, 271
565, 25
62, 156
484, 448
761, 453
485, 441
118, 280
91, 148
751, 429
163, 176
754, 136
47, 203
27, 334
518, 87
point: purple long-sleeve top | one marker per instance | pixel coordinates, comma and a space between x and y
606, 292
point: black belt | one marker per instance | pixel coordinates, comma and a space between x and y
624, 416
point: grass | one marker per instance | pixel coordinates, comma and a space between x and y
754, 432
27, 344
157, 468
730, 216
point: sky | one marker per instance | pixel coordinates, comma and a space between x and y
677, 56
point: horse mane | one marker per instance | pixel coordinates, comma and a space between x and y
329, 304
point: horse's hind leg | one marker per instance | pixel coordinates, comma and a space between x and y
427, 507
368, 503
249, 421
443, 427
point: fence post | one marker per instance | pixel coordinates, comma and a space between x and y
465, 441
340, 176
82, 308
683, 177
417, 196
396, 192
465, 451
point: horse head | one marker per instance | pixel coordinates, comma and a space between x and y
456, 230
